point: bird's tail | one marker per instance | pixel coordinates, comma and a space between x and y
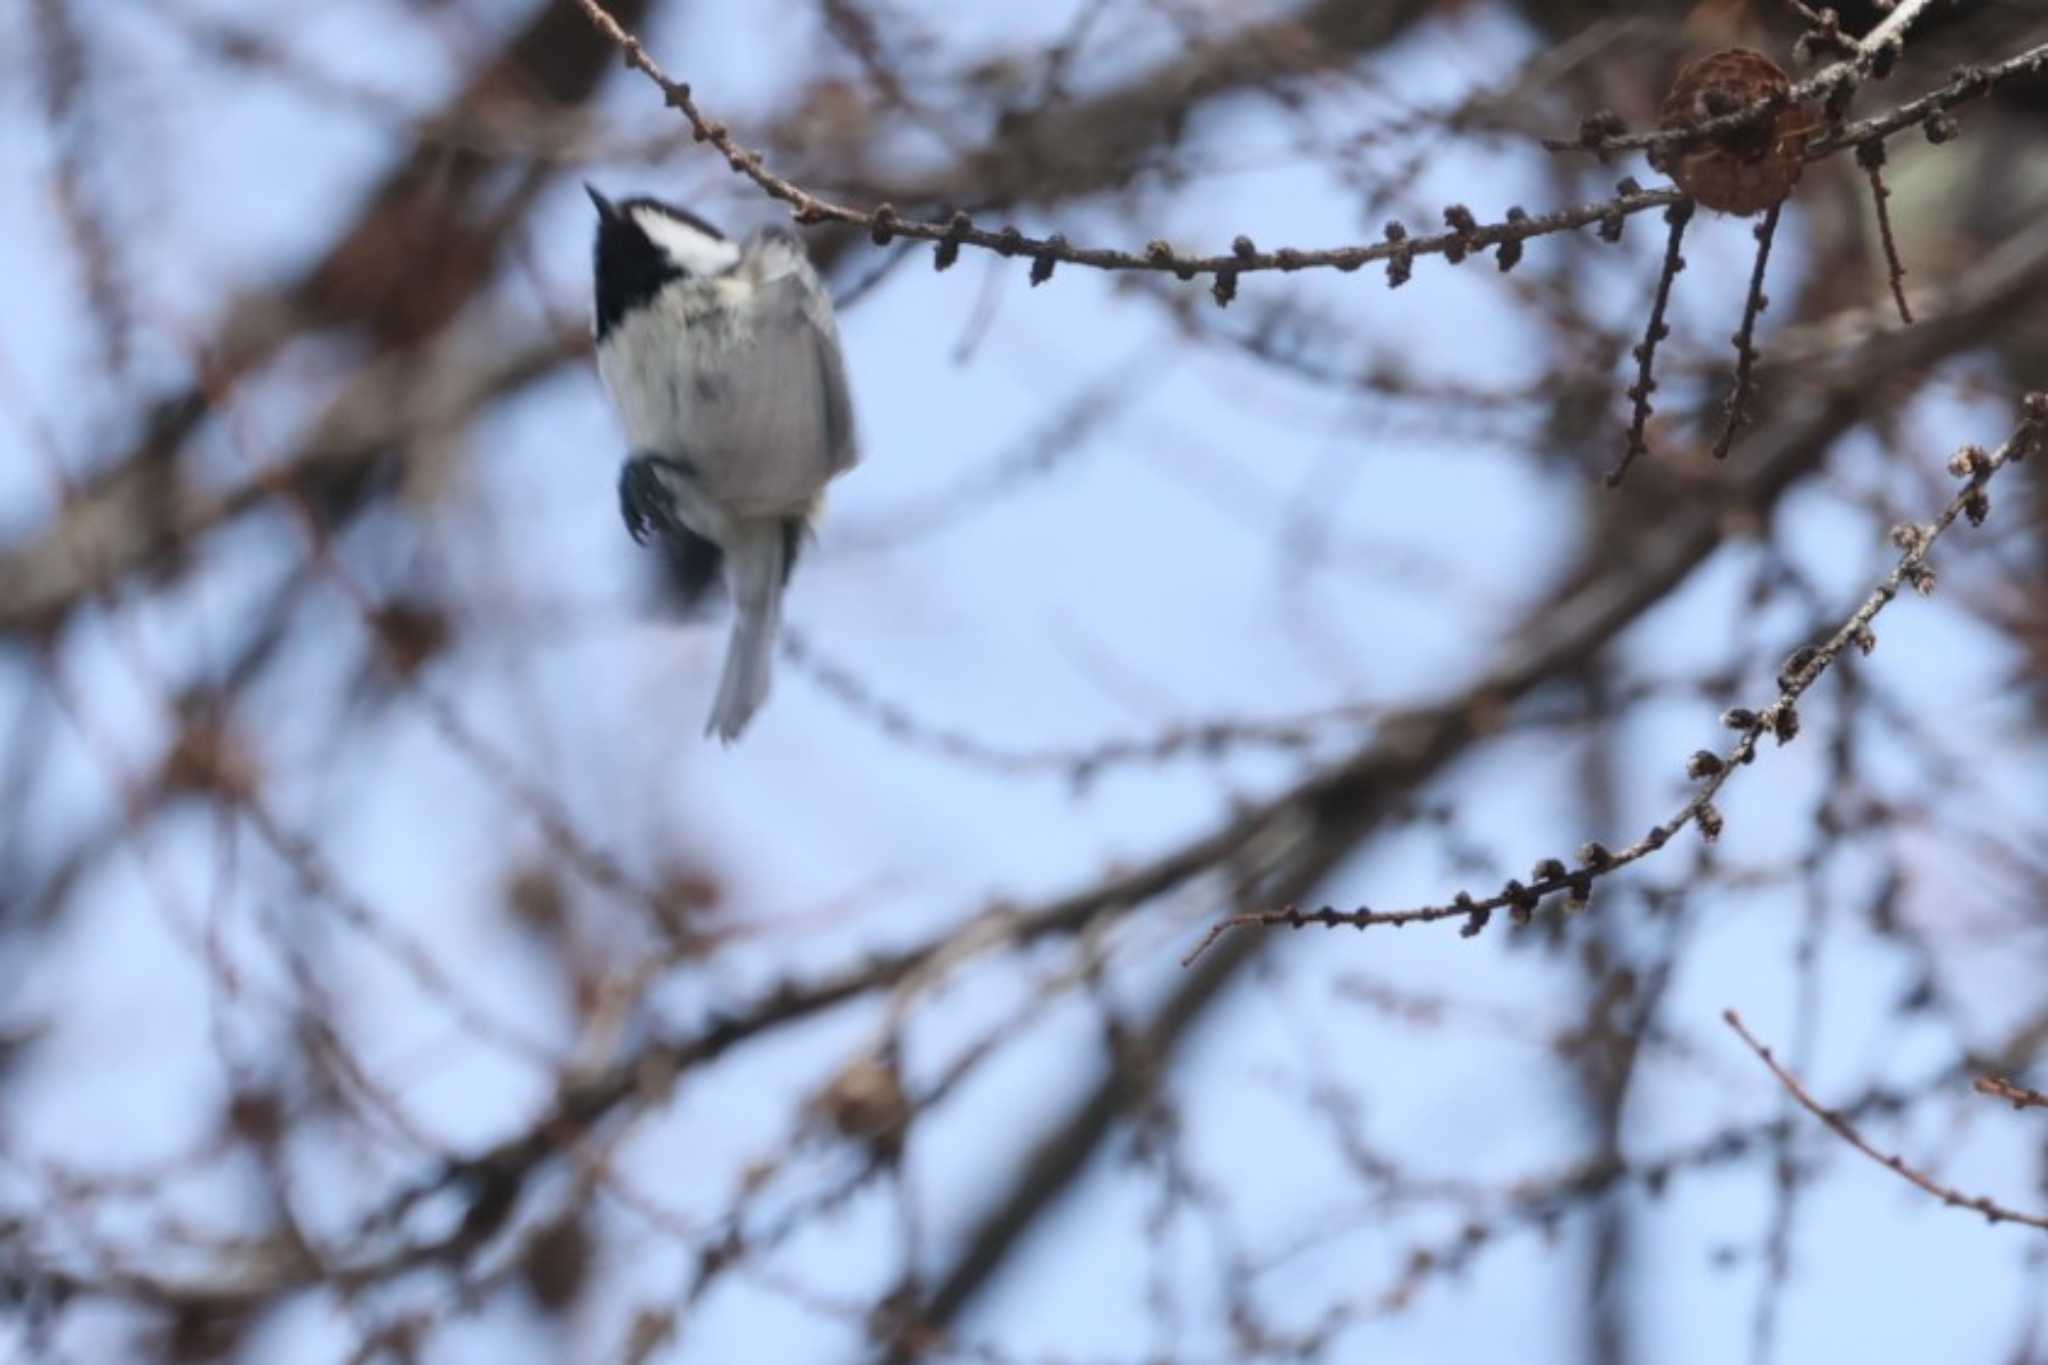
756, 560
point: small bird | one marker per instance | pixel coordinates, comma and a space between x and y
723, 361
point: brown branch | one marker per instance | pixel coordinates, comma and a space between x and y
1094, 142
66, 78
1780, 718
412, 256
135, 513
1970, 83
1309, 827
1284, 845
1993, 1211
1324, 820
1753, 305
1208, 740
1654, 331
1870, 156
1930, 110
1069, 1144
124, 522
885, 223
2019, 1095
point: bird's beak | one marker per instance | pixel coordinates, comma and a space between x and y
604, 205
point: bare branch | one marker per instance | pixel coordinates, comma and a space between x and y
1780, 718
885, 223
1993, 1211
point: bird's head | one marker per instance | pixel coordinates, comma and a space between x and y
643, 244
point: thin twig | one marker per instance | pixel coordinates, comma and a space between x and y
884, 223
1713, 771
1870, 156
1604, 138
1745, 347
1992, 1210
1678, 215
2020, 1096
1892, 28
1207, 740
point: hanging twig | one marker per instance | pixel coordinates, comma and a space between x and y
1745, 347
1678, 215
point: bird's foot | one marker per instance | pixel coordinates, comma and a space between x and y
647, 498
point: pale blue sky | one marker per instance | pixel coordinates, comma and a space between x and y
1142, 583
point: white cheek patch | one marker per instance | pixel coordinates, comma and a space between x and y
697, 252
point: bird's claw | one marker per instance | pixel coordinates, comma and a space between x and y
644, 497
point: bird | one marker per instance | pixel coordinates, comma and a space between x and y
722, 360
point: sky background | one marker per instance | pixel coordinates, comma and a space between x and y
1227, 541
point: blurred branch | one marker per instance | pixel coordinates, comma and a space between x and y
1068, 1146
1081, 144
423, 243
1205, 739
124, 522
316, 1112
1789, 448
415, 216
1288, 845
62, 63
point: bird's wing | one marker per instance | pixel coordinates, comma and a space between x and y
787, 299
831, 362
779, 417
